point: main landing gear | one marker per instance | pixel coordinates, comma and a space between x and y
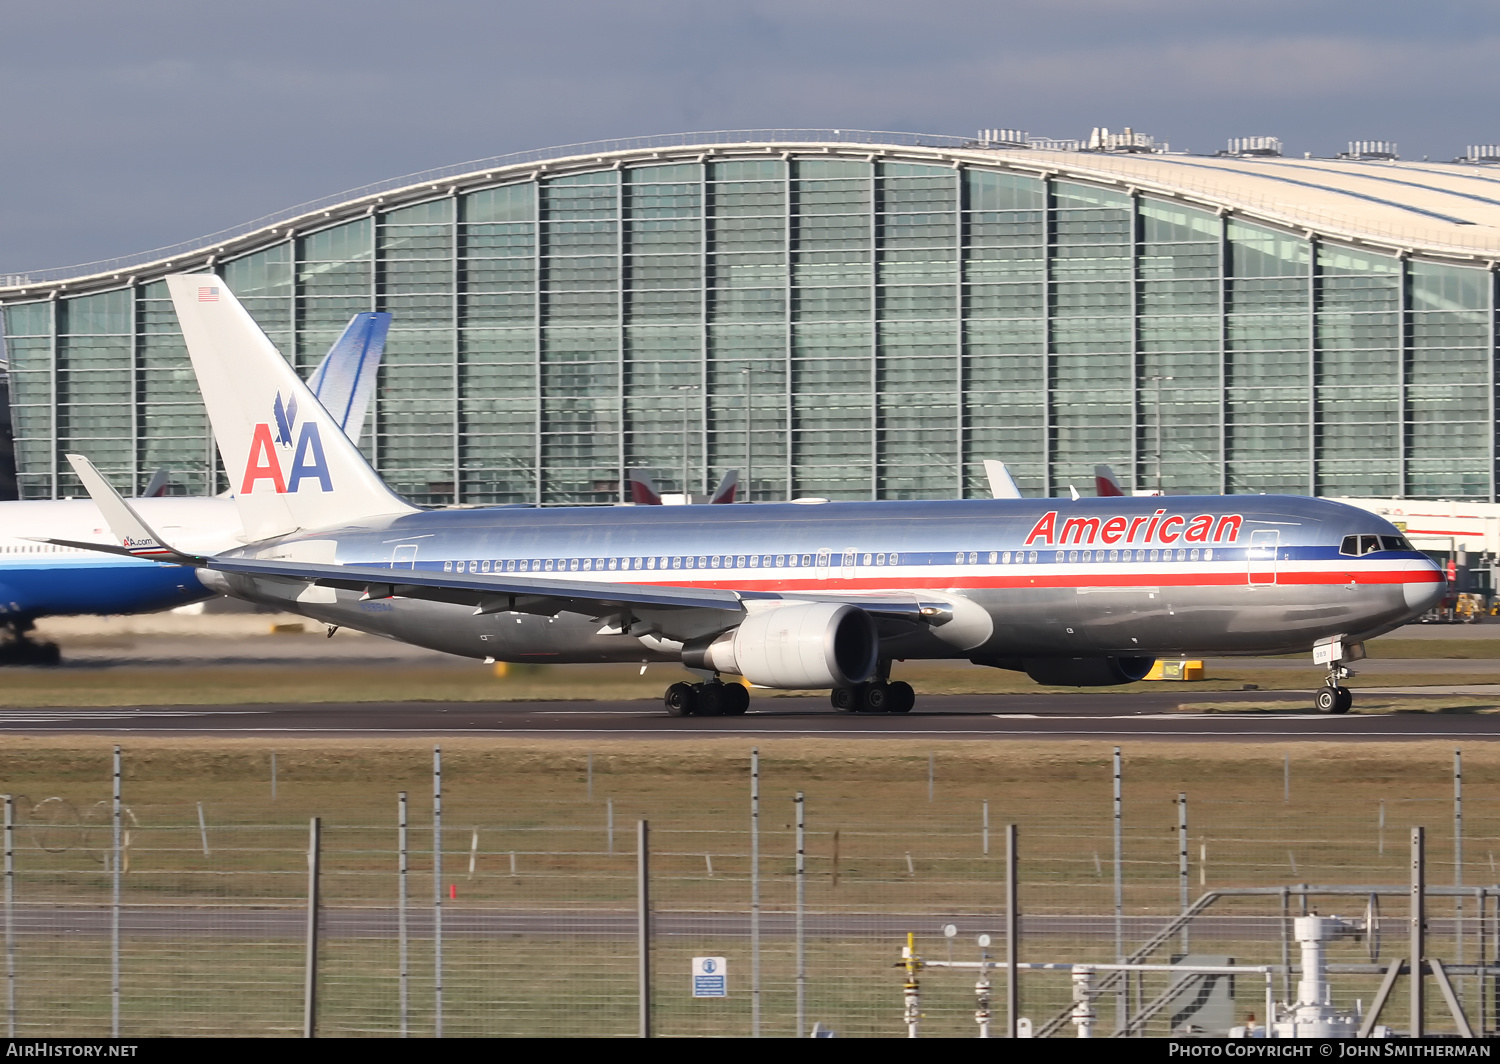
712, 699
17, 647
877, 696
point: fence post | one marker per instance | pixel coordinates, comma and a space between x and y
114, 915
1122, 997
755, 892
1012, 934
401, 943
985, 822
1458, 857
1182, 862
643, 922
310, 983
801, 917
1418, 917
437, 890
10, 915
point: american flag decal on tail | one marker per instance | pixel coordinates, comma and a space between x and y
208, 295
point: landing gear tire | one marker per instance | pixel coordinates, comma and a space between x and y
736, 700
709, 699
1333, 699
899, 697
874, 697
844, 699
680, 700
25, 652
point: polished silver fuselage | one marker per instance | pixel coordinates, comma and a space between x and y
1098, 577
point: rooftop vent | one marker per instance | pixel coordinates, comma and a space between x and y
1053, 144
1004, 138
1482, 153
1371, 149
1129, 142
1265, 147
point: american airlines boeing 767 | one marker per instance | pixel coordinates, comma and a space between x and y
827, 595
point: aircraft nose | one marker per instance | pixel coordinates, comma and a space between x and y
1423, 594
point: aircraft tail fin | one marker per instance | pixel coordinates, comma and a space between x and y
156, 487
1002, 484
344, 381
1106, 486
727, 488
642, 489
288, 461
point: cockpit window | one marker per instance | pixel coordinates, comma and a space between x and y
1355, 546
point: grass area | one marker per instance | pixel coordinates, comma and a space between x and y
876, 845
1396, 647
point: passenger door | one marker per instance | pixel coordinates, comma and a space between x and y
1265, 545
404, 556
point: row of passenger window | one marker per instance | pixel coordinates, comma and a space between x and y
1182, 555
714, 561
795, 561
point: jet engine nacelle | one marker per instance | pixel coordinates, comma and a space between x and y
805, 646
1076, 672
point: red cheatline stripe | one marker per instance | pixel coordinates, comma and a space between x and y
1141, 581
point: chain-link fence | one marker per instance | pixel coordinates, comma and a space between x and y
191, 917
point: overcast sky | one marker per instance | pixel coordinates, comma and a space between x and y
131, 125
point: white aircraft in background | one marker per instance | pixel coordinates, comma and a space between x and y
39, 579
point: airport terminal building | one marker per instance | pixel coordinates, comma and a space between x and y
839, 314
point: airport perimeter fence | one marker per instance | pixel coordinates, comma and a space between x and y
194, 920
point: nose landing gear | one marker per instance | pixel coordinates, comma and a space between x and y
1333, 697
712, 699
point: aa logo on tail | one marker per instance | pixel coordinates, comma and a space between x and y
264, 461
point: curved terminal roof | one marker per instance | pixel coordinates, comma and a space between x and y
1447, 211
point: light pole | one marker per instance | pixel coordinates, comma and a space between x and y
1157, 382
748, 469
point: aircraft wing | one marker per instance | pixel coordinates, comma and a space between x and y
486, 592
490, 592
501, 592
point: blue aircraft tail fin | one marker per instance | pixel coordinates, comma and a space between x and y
344, 381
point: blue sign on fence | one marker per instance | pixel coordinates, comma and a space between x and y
710, 977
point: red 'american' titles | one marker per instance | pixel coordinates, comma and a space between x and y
1202, 528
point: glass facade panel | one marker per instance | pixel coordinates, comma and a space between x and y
846, 327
